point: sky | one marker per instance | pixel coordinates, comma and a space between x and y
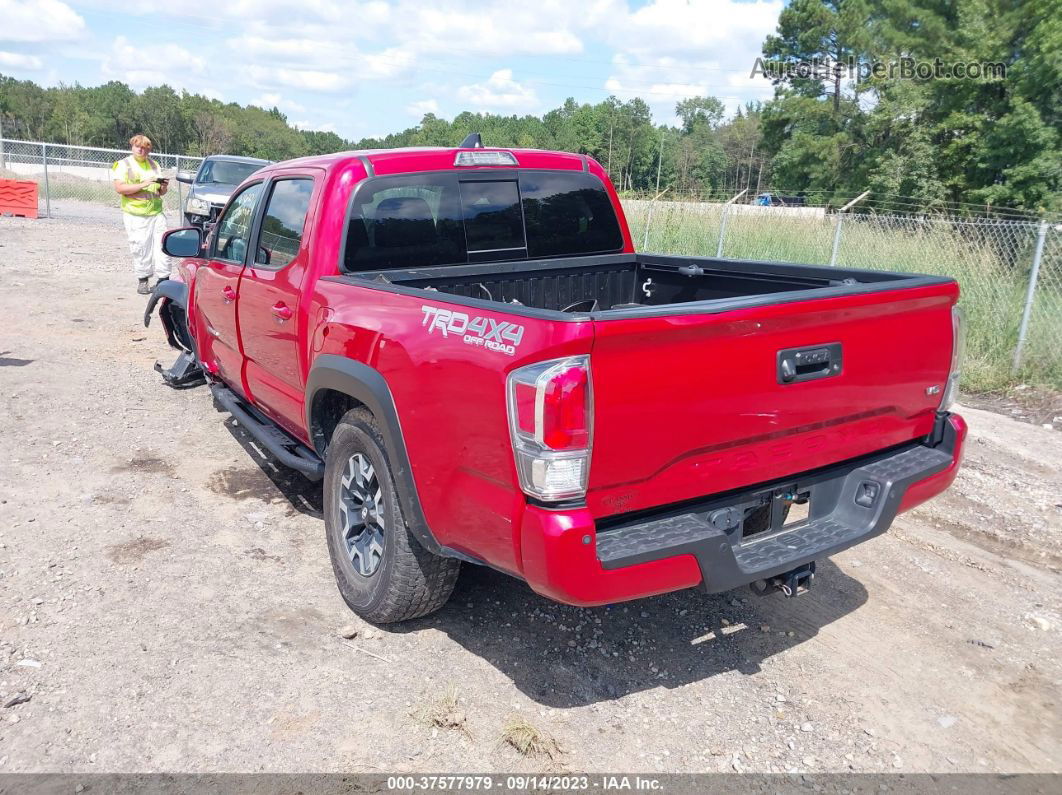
365, 69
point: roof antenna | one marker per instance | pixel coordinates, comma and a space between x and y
472, 141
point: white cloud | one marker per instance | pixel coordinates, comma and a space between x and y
269, 101
392, 62
669, 50
346, 13
663, 82
39, 21
710, 29
311, 126
287, 49
172, 64
337, 37
319, 55
422, 107
500, 92
501, 28
267, 77
18, 60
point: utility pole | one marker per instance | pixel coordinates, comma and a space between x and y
748, 176
659, 158
722, 223
1030, 295
649, 215
608, 168
837, 229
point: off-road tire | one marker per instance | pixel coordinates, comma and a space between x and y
409, 581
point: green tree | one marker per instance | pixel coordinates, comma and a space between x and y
699, 110
323, 143
30, 108
114, 114
746, 159
1018, 161
70, 120
159, 116
829, 32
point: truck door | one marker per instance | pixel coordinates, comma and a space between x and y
271, 317
216, 285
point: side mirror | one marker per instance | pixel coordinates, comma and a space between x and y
186, 242
264, 256
186, 176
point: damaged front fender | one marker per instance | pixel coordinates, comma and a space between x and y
173, 311
176, 295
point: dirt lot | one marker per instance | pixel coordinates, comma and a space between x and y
166, 601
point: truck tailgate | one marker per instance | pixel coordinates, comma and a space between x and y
690, 405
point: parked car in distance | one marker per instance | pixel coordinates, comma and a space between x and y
213, 184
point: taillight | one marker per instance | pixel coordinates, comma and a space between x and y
551, 423
958, 353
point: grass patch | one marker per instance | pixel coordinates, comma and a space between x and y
528, 740
442, 712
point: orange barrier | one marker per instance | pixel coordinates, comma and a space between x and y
18, 198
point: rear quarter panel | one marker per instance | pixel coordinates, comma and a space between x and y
450, 398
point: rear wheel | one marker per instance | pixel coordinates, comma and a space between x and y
383, 573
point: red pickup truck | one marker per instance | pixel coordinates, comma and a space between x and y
465, 347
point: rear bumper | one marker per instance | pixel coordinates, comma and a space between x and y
568, 558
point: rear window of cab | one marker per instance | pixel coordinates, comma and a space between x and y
448, 218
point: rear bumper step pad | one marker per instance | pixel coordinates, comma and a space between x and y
849, 505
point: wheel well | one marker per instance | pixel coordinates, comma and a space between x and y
174, 318
329, 406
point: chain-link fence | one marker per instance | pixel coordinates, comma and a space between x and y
1040, 350
75, 181
1010, 271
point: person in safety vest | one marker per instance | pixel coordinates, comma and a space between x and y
137, 180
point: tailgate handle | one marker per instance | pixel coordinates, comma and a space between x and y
805, 364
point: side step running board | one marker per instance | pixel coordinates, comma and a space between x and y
290, 452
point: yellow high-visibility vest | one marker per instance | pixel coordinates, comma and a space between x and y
131, 171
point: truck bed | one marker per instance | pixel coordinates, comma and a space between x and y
632, 285
689, 360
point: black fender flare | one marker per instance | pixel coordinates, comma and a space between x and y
366, 385
168, 288
176, 295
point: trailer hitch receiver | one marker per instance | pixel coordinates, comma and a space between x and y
792, 583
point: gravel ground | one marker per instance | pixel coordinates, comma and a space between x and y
166, 602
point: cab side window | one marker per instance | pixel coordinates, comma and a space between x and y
283, 222
234, 229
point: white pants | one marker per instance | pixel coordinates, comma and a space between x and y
145, 244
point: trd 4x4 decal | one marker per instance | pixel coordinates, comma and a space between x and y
494, 335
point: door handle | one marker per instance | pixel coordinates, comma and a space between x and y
228, 295
281, 312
